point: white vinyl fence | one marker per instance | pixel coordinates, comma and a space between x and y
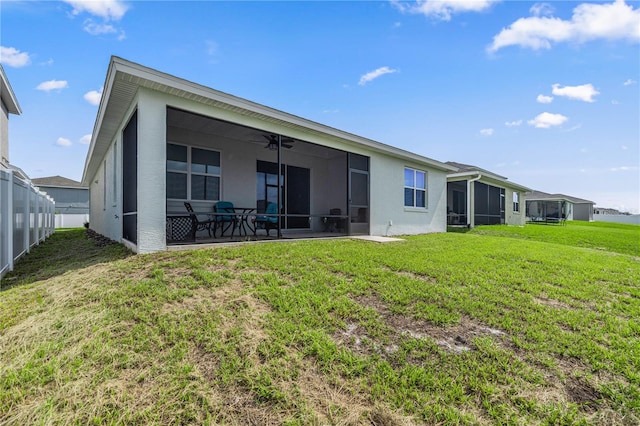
26, 218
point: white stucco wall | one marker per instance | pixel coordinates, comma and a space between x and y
387, 199
511, 217
104, 204
583, 211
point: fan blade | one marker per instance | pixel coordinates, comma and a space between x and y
284, 145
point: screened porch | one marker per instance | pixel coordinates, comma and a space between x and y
247, 184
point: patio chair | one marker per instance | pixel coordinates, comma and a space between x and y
197, 224
335, 224
225, 217
268, 222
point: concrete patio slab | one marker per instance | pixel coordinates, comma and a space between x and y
377, 239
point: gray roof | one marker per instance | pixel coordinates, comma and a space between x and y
470, 168
539, 195
58, 182
464, 170
125, 78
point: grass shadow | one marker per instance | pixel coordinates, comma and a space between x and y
458, 229
65, 250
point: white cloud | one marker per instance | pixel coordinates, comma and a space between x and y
63, 142
86, 139
212, 47
102, 29
609, 21
544, 99
542, 9
584, 92
630, 82
513, 123
12, 57
486, 132
372, 75
98, 29
93, 97
47, 86
624, 169
443, 9
624, 147
547, 120
106, 9
576, 127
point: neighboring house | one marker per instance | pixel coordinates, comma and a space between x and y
604, 211
72, 200
159, 141
542, 206
479, 197
9, 106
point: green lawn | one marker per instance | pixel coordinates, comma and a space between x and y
475, 328
615, 237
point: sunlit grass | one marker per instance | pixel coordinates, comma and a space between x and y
448, 328
615, 237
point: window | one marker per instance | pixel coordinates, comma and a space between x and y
114, 189
192, 173
104, 185
415, 188
516, 202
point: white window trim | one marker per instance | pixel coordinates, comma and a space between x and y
516, 201
189, 173
415, 208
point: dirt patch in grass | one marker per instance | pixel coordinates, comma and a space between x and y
456, 338
206, 363
200, 295
414, 276
551, 303
578, 390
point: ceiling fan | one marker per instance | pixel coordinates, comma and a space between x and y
272, 142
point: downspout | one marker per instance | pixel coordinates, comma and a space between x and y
469, 181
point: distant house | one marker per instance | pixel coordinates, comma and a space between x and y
160, 141
72, 200
542, 206
479, 197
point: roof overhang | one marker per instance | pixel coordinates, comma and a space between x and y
124, 78
7, 95
486, 177
550, 197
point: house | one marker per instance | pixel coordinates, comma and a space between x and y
72, 200
160, 141
542, 206
479, 197
9, 105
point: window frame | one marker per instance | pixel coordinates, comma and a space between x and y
189, 173
415, 188
516, 202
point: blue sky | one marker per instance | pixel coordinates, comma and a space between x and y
546, 94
